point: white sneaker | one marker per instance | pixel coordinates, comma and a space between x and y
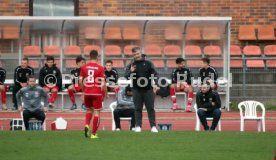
118, 129
138, 129
154, 129
133, 129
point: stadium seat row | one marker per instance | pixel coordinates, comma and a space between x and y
248, 32
252, 50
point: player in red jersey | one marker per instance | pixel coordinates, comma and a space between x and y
93, 84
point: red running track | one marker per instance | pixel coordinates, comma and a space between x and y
230, 121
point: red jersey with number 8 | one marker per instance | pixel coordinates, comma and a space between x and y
92, 75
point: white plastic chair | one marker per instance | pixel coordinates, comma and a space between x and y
197, 127
250, 113
112, 106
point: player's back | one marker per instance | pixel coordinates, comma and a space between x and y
92, 74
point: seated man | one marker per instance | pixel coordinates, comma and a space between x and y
3, 88
181, 81
111, 76
208, 73
50, 79
125, 107
31, 96
208, 103
75, 86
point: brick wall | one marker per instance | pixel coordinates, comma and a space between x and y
257, 12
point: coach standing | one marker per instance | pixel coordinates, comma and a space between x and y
140, 72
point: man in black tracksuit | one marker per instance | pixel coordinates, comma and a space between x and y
20, 79
50, 79
111, 77
208, 73
208, 103
140, 72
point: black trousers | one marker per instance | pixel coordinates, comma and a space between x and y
118, 113
141, 97
216, 113
27, 115
16, 88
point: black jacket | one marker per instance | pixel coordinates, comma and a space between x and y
50, 75
111, 76
183, 73
204, 100
75, 73
144, 68
208, 73
2, 75
21, 74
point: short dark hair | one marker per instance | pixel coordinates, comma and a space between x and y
30, 77
179, 60
50, 58
79, 59
109, 61
25, 59
93, 54
135, 49
206, 60
128, 89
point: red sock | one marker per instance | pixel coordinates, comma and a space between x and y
88, 117
71, 95
96, 122
173, 95
54, 96
190, 98
3, 95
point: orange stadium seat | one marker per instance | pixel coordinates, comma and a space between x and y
128, 49
52, 50
247, 32
236, 64
118, 63
271, 63
217, 63
194, 63
192, 50
31, 51
235, 50
113, 33
252, 50
152, 50
212, 50
193, 33
88, 48
172, 50
270, 50
158, 63
255, 64
266, 32
35, 64
171, 64
173, 33
70, 63
210, 33
112, 50
92, 33
72, 50
131, 33
10, 32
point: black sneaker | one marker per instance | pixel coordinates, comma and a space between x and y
86, 131
74, 106
83, 107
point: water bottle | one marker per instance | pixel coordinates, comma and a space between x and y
30, 126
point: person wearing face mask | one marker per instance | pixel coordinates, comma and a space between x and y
20, 79
209, 104
31, 96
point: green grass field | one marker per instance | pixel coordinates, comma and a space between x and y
143, 146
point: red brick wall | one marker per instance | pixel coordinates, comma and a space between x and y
257, 12
14, 7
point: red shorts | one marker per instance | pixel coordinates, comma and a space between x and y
182, 86
50, 88
92, 101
